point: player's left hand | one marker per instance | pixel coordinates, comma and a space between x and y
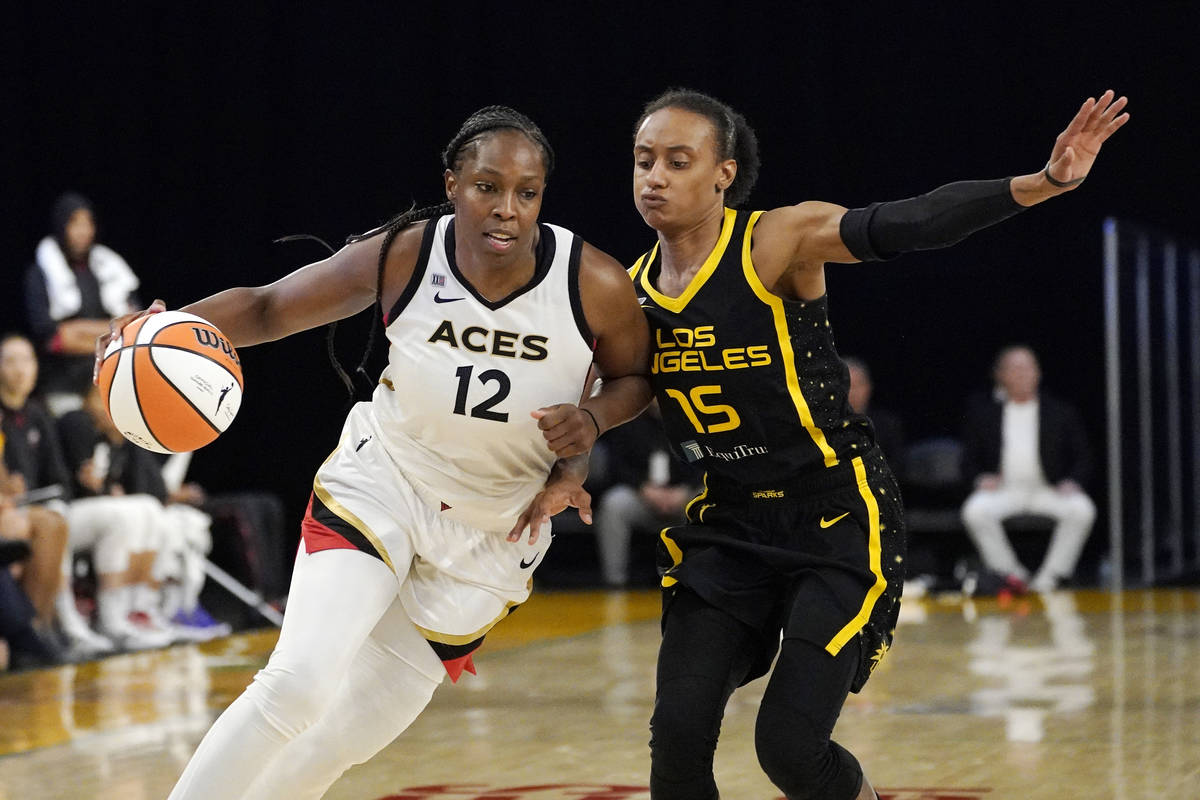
569, 430
115, 326
555, 497
1076, 148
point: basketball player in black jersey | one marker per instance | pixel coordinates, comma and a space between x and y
799, 529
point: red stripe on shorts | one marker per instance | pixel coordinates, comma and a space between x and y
318, 536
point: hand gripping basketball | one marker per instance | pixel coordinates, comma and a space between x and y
171, 381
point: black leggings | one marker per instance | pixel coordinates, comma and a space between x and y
705, 655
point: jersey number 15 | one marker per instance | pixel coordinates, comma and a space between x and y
694, 402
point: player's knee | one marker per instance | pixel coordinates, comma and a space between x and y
111, 553
682, 740
977, 510
801, 762
1081, 509
291, 698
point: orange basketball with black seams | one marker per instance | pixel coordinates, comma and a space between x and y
172, 383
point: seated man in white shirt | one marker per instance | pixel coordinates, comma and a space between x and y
1025, 452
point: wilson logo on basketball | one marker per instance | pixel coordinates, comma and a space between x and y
208, 338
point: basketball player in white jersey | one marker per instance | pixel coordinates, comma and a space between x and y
413, 544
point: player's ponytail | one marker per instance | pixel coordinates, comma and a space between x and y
735, 138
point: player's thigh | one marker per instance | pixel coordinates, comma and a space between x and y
993, 505
705, 654
336, 599
1074, 506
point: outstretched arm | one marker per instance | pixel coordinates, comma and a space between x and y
314, 295
796, 241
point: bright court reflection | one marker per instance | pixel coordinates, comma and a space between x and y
1068, 695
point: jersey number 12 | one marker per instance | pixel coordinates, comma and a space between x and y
482, 410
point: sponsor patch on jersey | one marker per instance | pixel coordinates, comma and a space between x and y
692, 451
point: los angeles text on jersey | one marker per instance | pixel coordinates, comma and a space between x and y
507, 344
695, 350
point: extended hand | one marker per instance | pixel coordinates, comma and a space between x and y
114, 331
555, 497
569, 430
1076, 148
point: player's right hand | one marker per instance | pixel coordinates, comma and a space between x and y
115, 327
555, 497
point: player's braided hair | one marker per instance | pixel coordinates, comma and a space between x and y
735, 138
484, 121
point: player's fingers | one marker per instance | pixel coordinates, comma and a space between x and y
569, 449
583, 501
515, 534
1082, 117
560, 436
535, 529
554, 415
1112, 126
1114, 108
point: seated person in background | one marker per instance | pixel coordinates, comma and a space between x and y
117, 533
649, 491
43, 535
42, 531
21, 645
248, 529
105, 463
72, 289
1025, 452
889, 430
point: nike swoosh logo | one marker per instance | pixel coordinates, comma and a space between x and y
642, 301
437, 298
825, 523
530, 564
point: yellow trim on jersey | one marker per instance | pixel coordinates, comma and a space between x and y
349, 516
637, 265
676, 556
785, 346
677, 304
464, 638
875, 550
687, 510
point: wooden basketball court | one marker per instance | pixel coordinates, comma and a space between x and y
1074, 695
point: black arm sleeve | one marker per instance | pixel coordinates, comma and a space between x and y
939, 218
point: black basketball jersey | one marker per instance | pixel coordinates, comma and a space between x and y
750, 385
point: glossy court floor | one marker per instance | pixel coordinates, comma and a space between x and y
1073, 695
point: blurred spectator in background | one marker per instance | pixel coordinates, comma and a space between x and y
115, 530
35, 537
106, 464
34, 541
21, 645
1025, 452
889, 430
72, 290
648, 492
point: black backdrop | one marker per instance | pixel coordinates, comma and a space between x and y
201, 135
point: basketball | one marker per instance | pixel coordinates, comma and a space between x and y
172, 383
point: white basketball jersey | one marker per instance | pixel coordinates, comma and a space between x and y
464, 373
